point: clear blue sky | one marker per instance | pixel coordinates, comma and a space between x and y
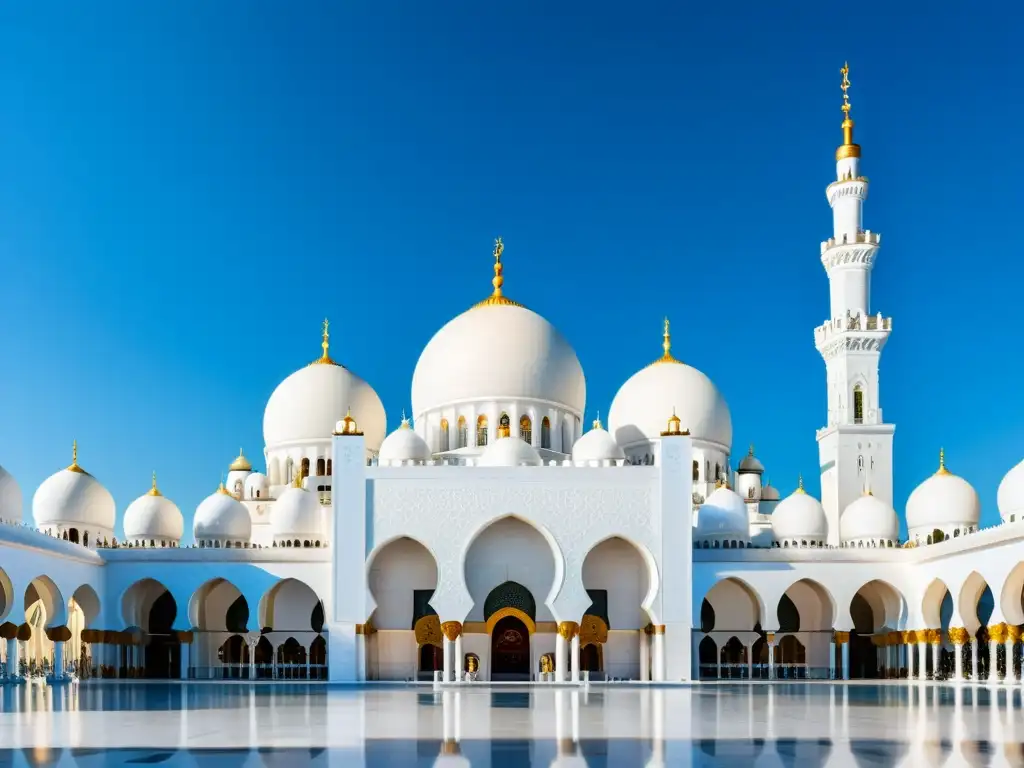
188, 188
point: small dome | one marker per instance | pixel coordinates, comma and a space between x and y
509, 452
72, 498
800, 517
723, 516
241, 464
403, 445
153, 516
296, 515
305, 406
943, 500
868, 518
10, 498
257, 486
597, 445
750, 463
669, 386
1010, 496
769, 492
221, 517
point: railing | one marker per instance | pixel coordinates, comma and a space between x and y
863, 238
858, 322
260, 672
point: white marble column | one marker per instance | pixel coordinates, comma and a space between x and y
922, 654
958, 661
993, 658
458, 658
565, 631
645, 655
843, 640
910, 657
1010, 675
937, 655
832, 658
58, 660
974, 659
658, 650
184, 653
771, 655
576, 657
446, 649
12, 658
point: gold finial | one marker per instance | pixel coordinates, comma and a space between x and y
154, 491
848, 148
675, 425
297, 480
666, 346
597, 422
74, 459
942, 463
221, 489
800, 484
497, 297
405, 421
240, 464
325, 345
347, 426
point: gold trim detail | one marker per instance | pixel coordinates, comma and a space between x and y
942, 463
675, 427
997, 632
593, 630
934, 637
428, 631
452, 629
1013, 633
222, 490
325, 345
568, 630
657, 629
769, 637
800, 484
497, 298
847, 148
958, 635
450, 747
241, 464
841, 638
74, 460
501, 613
348, 425
908, 636
666, 346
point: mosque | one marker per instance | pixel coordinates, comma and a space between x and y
495, 537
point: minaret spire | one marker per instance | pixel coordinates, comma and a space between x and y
847, 148
325, 345
497, 296
666, 345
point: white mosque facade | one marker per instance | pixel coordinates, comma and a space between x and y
496, 538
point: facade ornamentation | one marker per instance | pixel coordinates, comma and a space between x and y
958, 635
568, 630
452, 629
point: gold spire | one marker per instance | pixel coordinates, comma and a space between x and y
325, 358
942, 463
800, 484
666, 345
497, 298
597, 422
297, 480
347, 426
74, 459
405, 421
154, 491
848, 148
241, 464
221, 489
675, 425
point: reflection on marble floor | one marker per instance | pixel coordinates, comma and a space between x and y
781, 724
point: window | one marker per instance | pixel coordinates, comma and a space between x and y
858, 405
481, 430
443, 444
305, 468
696, 471
504, 425
462, 439
329, 468
545, 433
321, 467
526, 430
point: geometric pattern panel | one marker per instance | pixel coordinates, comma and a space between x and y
510, 595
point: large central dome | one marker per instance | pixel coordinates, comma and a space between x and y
497, 350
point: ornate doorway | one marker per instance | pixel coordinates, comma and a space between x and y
510, 650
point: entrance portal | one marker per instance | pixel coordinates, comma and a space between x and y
510, 650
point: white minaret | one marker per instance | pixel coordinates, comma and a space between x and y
855, 446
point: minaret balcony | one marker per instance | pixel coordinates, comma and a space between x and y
852, 324
858, 238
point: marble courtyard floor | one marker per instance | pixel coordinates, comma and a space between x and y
776, 724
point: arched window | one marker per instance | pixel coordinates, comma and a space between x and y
329, 467
545, 433
504, 426
696, 471
718, 471
858, 405
305, 468
526, 430
321, 467
462, 439
289, 466
481, 430
443, 443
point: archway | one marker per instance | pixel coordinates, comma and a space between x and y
217, 611
510, 649
44, 608
976, 603
806, 613
149, 605
707, 654
6, 595
876, 608
83, 610
735, 605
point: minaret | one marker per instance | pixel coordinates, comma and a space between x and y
855, 446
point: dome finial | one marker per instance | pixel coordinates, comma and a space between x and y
297, 480
347, 426
597, 422
405, 421
325, 345
751, 451
240, 464
154, 491
800, 484
848, 148
74, 459
221, 489
942, 463
497, 297
666, 345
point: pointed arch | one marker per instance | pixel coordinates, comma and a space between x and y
87, 601
814, 603
970, 602
137, 602
481, 430
737, 605
931, 603
627, 574
443, 443
43, 592
462, 438
6, 595
1011, 596
288, 606
401, 577
526, 429
545, 433
214, 603
887, 605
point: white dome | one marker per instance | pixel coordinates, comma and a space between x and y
868, 518
73, 498
943, 500
10, 498
404, 445
597, 445
257, 486
296, 515
153, 516
497, 351
800, 517
509, 452
221, 517
643, 404
1010, 496
305, 407
723, 516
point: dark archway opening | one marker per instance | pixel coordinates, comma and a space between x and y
431, 659
863, 653
163, 651
590, 658
510, 650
